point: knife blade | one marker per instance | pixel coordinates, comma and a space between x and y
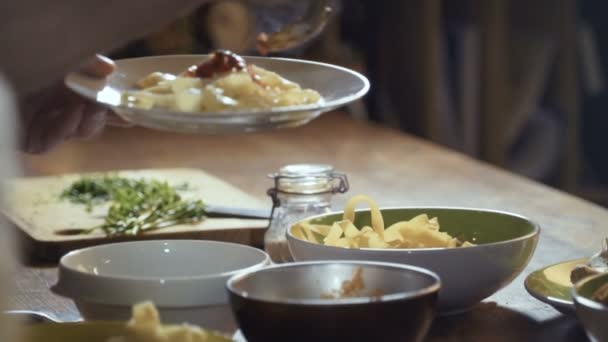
233, 212
215, 211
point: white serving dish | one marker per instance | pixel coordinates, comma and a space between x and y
338, 86
184, 278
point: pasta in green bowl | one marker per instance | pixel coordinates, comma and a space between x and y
475, 252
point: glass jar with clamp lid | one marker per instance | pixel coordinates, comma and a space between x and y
300, 191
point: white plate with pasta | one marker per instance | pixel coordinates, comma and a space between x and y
221, 92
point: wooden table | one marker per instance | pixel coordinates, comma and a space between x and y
396, 169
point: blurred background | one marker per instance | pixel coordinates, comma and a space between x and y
520, 84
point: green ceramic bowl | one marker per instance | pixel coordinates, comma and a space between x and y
592, 314
505, 245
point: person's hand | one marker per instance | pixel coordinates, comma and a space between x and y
55, 114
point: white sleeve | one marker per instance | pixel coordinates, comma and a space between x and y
8, 168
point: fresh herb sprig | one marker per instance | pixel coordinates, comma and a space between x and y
137, 205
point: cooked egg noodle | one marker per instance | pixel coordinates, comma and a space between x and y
419, 232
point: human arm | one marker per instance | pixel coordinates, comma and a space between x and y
43, 40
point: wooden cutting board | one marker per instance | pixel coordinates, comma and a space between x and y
35, 207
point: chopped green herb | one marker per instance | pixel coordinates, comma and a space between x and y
137, 205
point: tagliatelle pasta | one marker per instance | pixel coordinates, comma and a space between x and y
419, 232
145, 326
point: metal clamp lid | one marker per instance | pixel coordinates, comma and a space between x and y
306, 179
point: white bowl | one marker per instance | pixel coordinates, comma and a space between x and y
185, 279
506, 243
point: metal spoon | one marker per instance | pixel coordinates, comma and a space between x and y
299, 33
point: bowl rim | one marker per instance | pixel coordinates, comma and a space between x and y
72, 254
579, 299
433, 288
536, 229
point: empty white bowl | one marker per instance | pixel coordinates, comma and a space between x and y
185, 279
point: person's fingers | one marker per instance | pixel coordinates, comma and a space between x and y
56, 113
45, 100
98, 66
62, 128
92, 122
50, 128
34, 136
114, 120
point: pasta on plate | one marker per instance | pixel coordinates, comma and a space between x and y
419, 232
224, 82
145, 326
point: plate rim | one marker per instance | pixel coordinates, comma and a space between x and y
561, 305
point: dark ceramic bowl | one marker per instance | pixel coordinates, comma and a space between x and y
592, 314
285, 302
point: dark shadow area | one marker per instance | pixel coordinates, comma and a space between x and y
490, 322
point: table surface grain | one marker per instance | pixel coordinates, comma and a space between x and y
394, 168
